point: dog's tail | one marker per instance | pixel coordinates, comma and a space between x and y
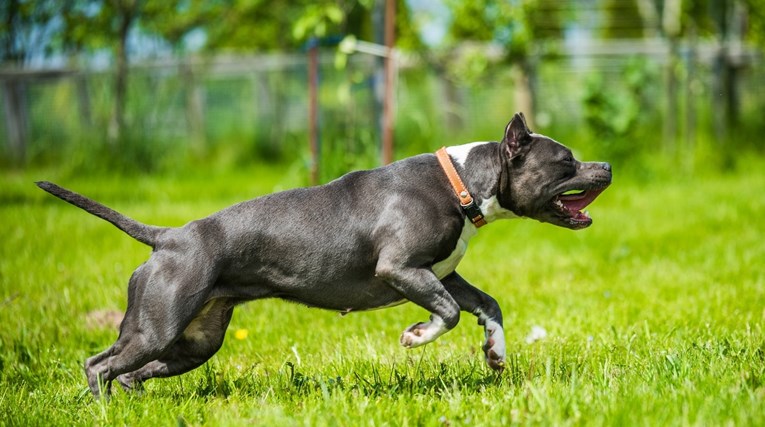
146, 234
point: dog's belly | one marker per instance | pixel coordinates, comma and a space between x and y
344, 291
357, 297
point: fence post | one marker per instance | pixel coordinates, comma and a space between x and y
16, 122
390, 66
313, 107
195, 116
83, 100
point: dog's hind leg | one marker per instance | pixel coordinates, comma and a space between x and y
201, 339
163, 300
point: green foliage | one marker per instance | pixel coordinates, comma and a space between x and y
515, 25
407, 32
472, 21
316, 21
284, 25
756, 21
654, 317
254, 25
26, 27
623, 19
615, 110
90, 25
186, 15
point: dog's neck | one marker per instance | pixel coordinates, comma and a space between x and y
467, 202
479, 164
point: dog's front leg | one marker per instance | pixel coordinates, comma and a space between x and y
489, 315
422, 287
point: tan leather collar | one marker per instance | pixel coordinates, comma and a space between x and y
466, 200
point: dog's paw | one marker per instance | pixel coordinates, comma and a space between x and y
495, 356
494, 348
423, 332
130, 384
413, 335
99, 387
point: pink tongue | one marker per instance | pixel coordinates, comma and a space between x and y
577, 203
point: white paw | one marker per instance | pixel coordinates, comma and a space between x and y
423, 332
494, 347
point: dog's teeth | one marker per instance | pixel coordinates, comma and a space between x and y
586, 212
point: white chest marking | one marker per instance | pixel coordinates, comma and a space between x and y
492, 210
447, 266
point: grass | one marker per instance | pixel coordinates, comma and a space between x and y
654, 316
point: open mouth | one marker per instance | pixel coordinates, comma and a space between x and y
572, 203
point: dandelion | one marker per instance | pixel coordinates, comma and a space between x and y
537, 333
241, 334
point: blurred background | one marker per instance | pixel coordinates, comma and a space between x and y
137, 87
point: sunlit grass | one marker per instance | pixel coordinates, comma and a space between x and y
653, 316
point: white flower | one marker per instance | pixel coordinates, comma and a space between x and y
537, 333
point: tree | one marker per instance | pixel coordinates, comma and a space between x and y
282, 25
630, 19
515, 25
173, 20
26, 27
257, 26
94, 24
123, 14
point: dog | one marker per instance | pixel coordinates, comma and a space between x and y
369, 239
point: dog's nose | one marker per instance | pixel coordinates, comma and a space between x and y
606, 166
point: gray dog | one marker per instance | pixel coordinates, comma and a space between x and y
370, 239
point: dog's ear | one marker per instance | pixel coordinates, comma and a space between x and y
517, 135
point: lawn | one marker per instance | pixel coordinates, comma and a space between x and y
653, 316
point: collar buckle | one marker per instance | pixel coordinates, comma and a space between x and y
474, 213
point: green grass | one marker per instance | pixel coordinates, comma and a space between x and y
654, 316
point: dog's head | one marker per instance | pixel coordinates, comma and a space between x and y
542, 179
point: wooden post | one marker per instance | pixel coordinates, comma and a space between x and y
195, 116
690, 97
671, 26
390, 68
83, 100
313, 108
16, 122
